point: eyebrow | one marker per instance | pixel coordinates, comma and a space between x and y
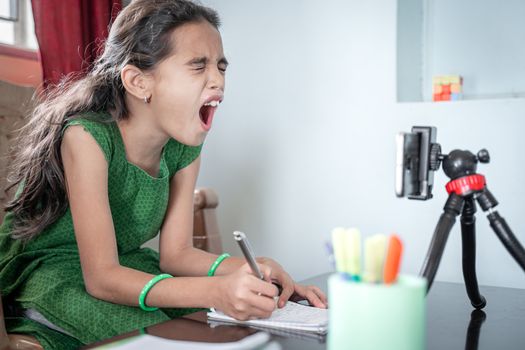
205, 60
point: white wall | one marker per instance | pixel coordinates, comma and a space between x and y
410, 48
304, 140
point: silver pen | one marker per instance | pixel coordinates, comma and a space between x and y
241, 238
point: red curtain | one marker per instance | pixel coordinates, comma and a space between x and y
69, 33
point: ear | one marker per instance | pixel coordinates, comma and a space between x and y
136, 82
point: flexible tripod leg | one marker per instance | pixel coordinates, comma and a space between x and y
487, 201
468, 239
446, 221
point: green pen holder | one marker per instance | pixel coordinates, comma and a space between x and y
377, 316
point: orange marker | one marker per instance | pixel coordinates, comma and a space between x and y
393, 259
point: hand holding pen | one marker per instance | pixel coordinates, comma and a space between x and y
247, 293
290, 290
243, 296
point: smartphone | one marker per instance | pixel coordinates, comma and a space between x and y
414, 176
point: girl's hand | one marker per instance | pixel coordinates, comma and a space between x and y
243, 296
313, 294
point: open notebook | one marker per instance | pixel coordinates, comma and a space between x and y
292, 317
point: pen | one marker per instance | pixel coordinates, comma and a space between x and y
241, 238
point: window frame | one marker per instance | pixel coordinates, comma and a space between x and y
20, 64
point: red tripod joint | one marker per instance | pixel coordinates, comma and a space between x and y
466, 185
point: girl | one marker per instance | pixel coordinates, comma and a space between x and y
107, 162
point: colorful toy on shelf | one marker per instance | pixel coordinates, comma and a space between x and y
447, 88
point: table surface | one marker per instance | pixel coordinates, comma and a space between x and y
451, 322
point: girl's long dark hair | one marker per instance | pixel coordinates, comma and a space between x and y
139, 36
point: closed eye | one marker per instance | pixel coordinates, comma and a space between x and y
199, 67
200, 63
223, 64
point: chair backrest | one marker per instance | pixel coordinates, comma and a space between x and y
206, 234
4, 340
15, 102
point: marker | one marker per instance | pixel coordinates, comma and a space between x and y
339, 244
353, 253
241, 238
375, 248
393, 259
330, 252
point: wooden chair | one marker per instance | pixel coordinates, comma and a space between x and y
205, 236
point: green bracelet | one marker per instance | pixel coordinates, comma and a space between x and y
216, 264
146, 289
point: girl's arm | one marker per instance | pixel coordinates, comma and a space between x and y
86, 173
177, 254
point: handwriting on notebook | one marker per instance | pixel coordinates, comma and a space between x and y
292, 316
297, 313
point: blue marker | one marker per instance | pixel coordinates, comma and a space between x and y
330, 252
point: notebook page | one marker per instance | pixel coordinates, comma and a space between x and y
292, 316
300, 314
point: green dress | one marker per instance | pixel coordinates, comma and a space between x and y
45, 273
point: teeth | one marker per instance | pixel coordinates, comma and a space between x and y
212, 103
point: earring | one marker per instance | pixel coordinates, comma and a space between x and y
147, 99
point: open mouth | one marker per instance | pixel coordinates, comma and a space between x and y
206, 113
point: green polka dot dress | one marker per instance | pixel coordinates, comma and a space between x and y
45, 273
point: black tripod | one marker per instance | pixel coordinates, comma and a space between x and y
465, 188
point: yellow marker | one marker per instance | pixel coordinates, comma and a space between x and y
353, 253
339, 245
375, 248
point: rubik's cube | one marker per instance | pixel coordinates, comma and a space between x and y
447, 88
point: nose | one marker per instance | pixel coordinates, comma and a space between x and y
216, 79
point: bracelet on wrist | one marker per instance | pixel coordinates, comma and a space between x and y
216, 263
146, 289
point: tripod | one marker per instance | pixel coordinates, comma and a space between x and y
465, 188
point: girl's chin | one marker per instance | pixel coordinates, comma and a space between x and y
189, 138
199, 142
196, 140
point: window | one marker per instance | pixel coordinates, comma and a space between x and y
17, 27
19, 63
